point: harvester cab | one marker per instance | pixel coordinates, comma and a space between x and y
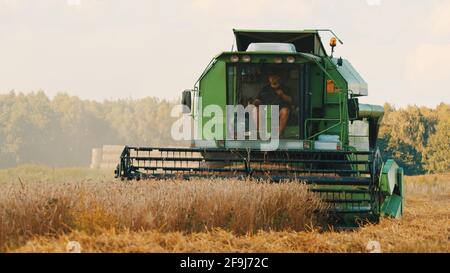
279, 108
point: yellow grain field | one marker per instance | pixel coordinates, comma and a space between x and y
44, 210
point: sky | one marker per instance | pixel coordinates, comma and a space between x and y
110, 49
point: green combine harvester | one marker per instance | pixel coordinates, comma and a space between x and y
326, 138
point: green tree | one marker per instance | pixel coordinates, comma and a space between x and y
404, 136
437, 156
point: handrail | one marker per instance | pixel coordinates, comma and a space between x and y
340, 122
323, 131
341, 110
210, 64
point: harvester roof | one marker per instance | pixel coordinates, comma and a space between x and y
305, 41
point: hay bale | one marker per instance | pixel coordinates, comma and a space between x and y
113, 149
111, 157
96, 158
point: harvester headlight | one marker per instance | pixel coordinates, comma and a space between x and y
278, 60
306, 145
290, 59
234, 58
246, 58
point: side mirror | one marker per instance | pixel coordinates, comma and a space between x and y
186, 101
353, 109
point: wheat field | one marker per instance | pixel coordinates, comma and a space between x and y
42, 209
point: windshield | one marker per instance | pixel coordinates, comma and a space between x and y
269, 84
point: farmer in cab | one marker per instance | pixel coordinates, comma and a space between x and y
275, 93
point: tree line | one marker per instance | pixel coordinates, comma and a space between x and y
418, 138
62, 131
